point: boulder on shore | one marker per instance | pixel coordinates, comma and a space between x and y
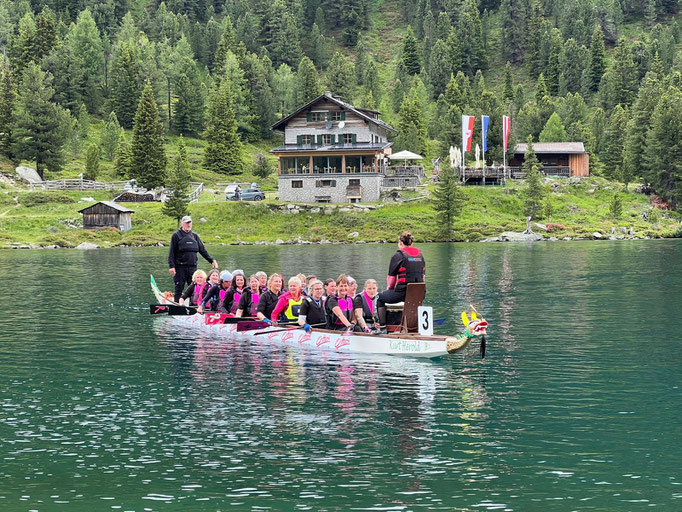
87, 246
511, 236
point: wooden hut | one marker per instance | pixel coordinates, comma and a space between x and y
557, 158
107, 214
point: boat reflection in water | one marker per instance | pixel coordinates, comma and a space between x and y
281, 419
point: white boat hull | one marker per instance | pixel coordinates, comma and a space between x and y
334, 341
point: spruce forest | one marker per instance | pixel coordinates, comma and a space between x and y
604, 72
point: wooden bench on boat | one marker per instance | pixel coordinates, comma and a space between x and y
414, 297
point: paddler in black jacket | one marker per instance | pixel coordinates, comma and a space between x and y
182, 255
407, 266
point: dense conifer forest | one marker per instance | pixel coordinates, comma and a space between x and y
604, 72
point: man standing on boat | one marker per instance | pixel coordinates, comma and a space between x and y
182, 255
407, 266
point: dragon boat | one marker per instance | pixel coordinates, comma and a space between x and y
397, 343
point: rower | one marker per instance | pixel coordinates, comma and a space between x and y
262, 281
215, 297
289, 303
312, 310
407, 266
340, 307
352, 287
268, 299
249, 299
365, 305
195, 292
234, 294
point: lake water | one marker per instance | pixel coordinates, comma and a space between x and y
577, 405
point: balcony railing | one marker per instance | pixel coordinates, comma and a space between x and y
515, 172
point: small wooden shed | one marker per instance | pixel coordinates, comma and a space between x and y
107, 214
555, 157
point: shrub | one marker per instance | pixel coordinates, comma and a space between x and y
30, 199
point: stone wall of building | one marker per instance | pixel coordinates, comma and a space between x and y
311, 193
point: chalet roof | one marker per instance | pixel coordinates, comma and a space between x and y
553, 147
110, 204
363, 113
350, 148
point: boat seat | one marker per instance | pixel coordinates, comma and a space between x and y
396, 307
414, 297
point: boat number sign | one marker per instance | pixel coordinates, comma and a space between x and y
425, 314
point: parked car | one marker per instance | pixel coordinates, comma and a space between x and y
234, 192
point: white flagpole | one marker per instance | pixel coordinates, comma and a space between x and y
504, 153
483, 142
464, 129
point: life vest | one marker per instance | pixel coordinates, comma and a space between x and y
412, 267
317, 313
235, 300
198, 294
254, 303
292, 310
346, 306
369, 308
188, 247
222, 294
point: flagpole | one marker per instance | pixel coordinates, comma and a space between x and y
483, 143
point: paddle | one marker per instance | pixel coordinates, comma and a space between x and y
158, 309
251, 326
172, 309
483, 343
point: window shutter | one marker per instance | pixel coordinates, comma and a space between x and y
308, 117
319, 140
355, 138
329, 116
298, 140
343, 115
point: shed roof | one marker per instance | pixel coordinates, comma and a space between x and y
110, 204
363, 113
553, 147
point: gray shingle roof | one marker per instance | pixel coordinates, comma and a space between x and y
110, 204
307, 148
552, 147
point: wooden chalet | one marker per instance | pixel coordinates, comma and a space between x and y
332, 152
107, 214
557, 158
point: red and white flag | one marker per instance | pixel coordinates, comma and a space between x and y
467, 132
505, 131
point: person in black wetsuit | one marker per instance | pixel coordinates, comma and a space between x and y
312, 310
182, 255
407, 266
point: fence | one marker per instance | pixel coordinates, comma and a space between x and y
198, 188
77, 184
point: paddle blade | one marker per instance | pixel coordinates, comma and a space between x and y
158, 309
251, 326
482, 347
181, 310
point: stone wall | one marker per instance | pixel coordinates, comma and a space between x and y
311, 193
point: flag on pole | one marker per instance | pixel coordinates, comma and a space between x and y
484, 132
505, 132
467, 132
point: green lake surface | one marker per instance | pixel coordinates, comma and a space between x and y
577, 405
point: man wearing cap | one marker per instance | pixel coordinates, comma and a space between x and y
182, 255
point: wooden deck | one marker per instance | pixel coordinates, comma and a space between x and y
512, 172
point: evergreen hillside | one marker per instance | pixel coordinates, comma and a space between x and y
112, 83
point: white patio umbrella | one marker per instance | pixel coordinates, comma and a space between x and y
405, 155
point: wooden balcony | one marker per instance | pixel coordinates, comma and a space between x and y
514, 172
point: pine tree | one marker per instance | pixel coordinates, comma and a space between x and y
615, 144
147, 153
514, 29
341, 76
573, 60
307, 82
597, 58
223, 152
440, 68
372, 82
624, 73
534, 190
262, 167
92, 157
38, 133
470, 31
125, 85
448, 201
85, 44
411, 125
664, 147
122, 157
189, 107
46, 32
534, 39
410, 54
553, 69
177, 201
541, 89
228, 42
508, 93
110, 136
634, 158
616, 206
24, 48
554, 130
7, 110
